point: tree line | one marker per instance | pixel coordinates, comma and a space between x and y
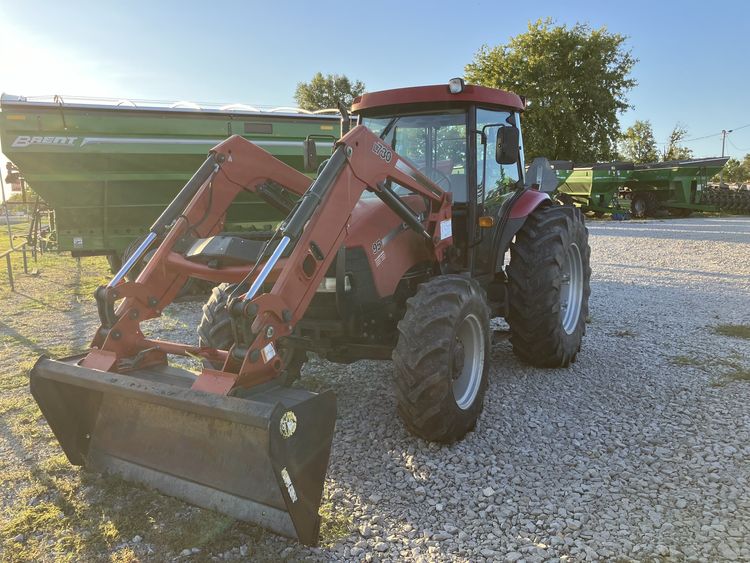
576, 78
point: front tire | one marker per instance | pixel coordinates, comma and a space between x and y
549, 286
215, 331
442, 358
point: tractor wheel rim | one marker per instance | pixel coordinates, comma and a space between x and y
468, 375
571, 289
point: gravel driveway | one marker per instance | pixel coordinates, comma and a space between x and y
639, 451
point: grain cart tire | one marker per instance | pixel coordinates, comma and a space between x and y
549, 286
680, 212
442, 358
215, 331
643, 205
115, 262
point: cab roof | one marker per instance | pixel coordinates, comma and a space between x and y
437, 94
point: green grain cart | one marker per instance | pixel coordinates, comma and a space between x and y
595, 187
640, 190
678, 186
108, 169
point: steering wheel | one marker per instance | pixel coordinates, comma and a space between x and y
437, 177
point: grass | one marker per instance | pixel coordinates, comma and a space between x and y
624, 333
334, 523
61, 512
739, 374
683, 361
734, 330
733, 362
77, 516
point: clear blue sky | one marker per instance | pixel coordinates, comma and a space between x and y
693, 65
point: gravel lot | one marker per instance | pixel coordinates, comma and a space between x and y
640, 451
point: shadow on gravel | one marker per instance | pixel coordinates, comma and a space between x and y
713, 233
676, 271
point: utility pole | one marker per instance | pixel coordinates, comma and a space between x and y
724, 134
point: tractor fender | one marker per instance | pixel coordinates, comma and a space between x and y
522, 208
528, 202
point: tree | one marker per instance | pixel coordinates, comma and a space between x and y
325, 92
638, 143
735, 171
672, 149
576, 78
731, 173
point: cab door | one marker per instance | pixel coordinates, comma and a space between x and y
494, 182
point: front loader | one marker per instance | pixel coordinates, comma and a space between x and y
398, 249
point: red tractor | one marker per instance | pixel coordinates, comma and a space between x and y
421, 227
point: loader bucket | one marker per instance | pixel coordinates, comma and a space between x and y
261, 459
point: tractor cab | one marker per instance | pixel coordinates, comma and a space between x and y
464, 138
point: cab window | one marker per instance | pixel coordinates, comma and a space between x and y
435, 143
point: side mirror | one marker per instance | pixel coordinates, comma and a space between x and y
310, 155
506, 148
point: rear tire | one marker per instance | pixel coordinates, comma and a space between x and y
549, 287
215, 331
442, 358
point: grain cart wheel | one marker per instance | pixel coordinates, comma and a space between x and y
643, 205
549, 287
442, 357
680, 212
215, 331
115, 262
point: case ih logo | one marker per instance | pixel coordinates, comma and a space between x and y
25, 141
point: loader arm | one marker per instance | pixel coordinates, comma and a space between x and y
317, 228
296, 260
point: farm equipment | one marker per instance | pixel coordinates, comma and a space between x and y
596, 187
641, 190
730, 199
678, 186
108, 168
397, 249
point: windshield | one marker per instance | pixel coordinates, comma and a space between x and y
435, 143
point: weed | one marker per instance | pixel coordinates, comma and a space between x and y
687, 361
739, 374
734, 330
624, 333
335, 523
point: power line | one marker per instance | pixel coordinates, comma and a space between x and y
693, 139
711, 135
736, 147
701, 138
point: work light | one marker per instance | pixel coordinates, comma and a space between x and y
456, 85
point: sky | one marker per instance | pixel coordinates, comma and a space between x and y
692, 70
